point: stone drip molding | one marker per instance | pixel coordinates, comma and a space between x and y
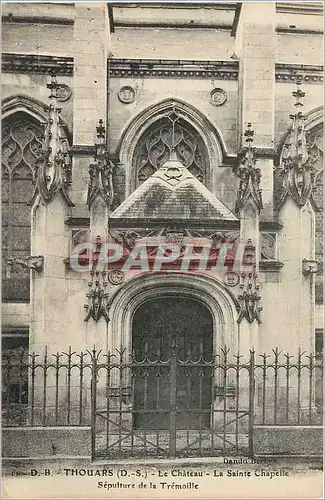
156, 68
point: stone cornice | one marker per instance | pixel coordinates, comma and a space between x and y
287, 73
39, 64
301, 31
38, 20
160, 68
155, 68
310, 8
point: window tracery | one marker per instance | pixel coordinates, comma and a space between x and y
157, 142
315, 147
21, 143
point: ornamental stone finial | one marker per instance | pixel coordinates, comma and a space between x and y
296, 165
101, 171
249, 176
53, 167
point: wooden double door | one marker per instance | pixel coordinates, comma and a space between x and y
172, 373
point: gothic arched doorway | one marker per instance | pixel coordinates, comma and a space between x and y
166, 329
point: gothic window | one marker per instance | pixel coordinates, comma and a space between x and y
21, 140
155, 146
315, 151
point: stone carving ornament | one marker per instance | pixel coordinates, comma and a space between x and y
126, 95
218, 97
53, 167
116, 276
101, 171
249, 175
297, 160
98, 296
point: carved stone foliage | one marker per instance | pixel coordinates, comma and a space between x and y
157, 143
174, 234
126, 238
53, 168
101, 171
297, 159
98, 296
249, 176
249, 299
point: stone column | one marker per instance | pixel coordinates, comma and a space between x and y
90, 104
255, 46
90, 83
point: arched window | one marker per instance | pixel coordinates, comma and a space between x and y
315, 143
21, 140
156, 143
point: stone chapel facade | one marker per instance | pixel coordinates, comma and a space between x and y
193, 126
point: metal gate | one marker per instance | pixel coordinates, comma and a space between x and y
172, 407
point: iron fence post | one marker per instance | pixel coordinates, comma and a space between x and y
251, 403
172, 414
93, 402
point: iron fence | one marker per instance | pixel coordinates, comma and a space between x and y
174, 403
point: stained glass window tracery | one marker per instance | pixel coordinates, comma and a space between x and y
21, 142
155, 145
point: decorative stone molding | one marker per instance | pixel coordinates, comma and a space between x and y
173, 233
288, 73
37, 64
34, 262
210, 291
160, 68
116, 276
126, 94
296, 164
249, 299
98, 296
193, 224
53, 167
127, 238
218, 97
156, 68
249, 176
215, 149
101, 171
